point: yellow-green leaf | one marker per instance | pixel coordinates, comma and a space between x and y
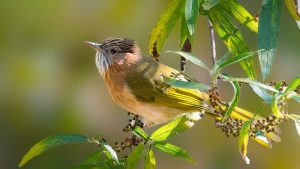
231, 36
293, 85
150, 162
134, 156
141, 133
235, 99
173, 128
173, 150
294, 8
236, 10
164, 26
243, 141
50, 143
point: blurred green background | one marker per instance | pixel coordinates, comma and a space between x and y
49, 83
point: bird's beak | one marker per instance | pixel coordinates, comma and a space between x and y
93, 45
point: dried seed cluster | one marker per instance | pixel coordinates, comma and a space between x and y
134, 121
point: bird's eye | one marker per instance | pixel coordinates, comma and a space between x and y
113, 51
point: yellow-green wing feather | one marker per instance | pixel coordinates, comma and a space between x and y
145, 79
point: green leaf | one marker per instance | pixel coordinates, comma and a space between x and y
173, 128
263, 139
111, 152
191, 13
293, 85
243, 140
173, 150
231, 36
134, 156
296, 119
251, 82
268, 31
234, 101
187, 85
297, 124
141, 133
209, 4
164, 26
237, 11
236, 59
261, 93
50, 143
185, 37
150, 159
296, 98
191, 58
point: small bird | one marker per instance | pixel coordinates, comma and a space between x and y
136, 83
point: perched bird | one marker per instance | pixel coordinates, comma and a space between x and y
137, 84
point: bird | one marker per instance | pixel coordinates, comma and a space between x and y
136, 83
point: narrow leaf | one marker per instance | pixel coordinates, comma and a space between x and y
173, 128
231, 36
150, 162
261, 93
275, 109
243, 141
112, 154
164, 26
293, 85
134, 156
237, 11
294, 8
185, 37
250, 81
296, 98
141, 133
297, 123
192, 58
268, 31
236, 59
209, 4
188, 85
173, 150
191, 13
49, 143
234, 101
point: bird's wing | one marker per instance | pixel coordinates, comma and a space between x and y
145, 79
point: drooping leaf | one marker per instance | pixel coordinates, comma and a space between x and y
261, 93
268, 31
237, 11
274, 108
141, 133
250, 81
209, 4
296, 119
111, 152
236, 59
293, 85
262, 139
297, 124
234, 101
164, 26
231, 36
134, 156
173, 128
185, 37
191, 58
173, 150
191, 13
188, 85
294, 8
150, 162
243, 141
49, 143
296, 98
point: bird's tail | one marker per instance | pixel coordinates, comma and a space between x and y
267, 126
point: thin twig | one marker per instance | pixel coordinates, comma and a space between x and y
213, 43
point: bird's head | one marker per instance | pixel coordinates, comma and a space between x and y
118, 53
